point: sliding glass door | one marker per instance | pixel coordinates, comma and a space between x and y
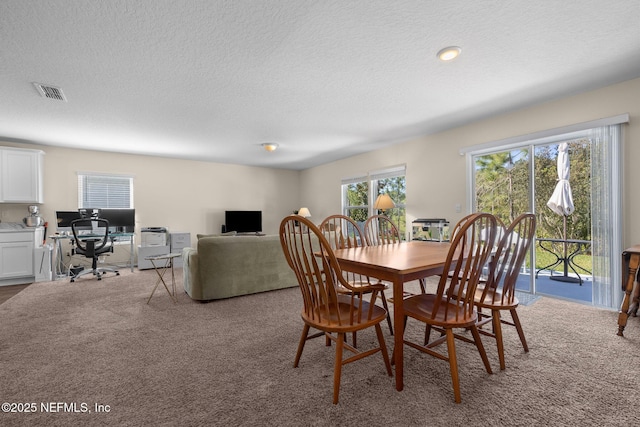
503, 187
571, 182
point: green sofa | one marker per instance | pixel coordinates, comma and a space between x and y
229, 266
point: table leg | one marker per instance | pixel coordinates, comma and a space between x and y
59, 268
634, 261
160, 272
398, 326
131, 262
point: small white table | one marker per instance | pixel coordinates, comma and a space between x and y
161, 263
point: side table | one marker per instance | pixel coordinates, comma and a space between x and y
161, 263
630, 264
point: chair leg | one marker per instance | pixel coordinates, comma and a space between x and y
423, 285
383, 349
516, 321
303, 339
483, 353
427, 334
337, 370
453, 365
497, 331
386, 307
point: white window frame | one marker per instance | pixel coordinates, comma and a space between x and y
372, 178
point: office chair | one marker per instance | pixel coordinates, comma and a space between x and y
92, 247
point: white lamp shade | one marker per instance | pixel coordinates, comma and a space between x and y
304, 212
384, 202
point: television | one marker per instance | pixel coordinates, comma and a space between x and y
243, 221
120, 220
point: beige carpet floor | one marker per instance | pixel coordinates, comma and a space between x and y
230, 363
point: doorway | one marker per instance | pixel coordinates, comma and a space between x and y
575, 255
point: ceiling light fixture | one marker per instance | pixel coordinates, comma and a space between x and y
270, 146
449, 53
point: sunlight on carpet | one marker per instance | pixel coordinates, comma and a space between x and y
526, 298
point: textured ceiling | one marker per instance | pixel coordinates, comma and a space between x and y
212, 80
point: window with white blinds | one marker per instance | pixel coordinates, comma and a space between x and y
105, 191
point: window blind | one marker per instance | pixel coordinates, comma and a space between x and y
105, 191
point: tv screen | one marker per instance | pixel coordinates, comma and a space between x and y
243, 221
120, 219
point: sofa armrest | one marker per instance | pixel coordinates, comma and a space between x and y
190, 273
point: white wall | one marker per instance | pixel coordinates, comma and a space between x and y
436, 179
190, 196
183, 195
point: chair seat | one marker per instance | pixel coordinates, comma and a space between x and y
345, 306
421, 307
493, 300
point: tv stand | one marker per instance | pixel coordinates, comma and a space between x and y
257, 233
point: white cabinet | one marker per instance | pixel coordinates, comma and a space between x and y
179, 241
21, 175
16, 254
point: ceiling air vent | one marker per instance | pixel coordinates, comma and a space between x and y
50, 92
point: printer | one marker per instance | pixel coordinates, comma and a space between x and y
154, 236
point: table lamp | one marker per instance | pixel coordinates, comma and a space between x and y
304, 212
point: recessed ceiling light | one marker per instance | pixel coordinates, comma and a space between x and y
449, 53
270, 146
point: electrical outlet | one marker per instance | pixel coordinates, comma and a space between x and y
458, 207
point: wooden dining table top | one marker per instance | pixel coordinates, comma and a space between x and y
415, 258
398, 263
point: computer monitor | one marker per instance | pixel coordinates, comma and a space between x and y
87, 213
64, 219
120, 220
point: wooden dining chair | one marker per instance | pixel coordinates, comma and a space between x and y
380, 230
498, 294
500, 230
343, 232
452, 306
334, 314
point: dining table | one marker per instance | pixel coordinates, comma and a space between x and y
398, 263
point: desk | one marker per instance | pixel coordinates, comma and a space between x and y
397, 263
165, 262
564, 258
630, 263
60, 272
